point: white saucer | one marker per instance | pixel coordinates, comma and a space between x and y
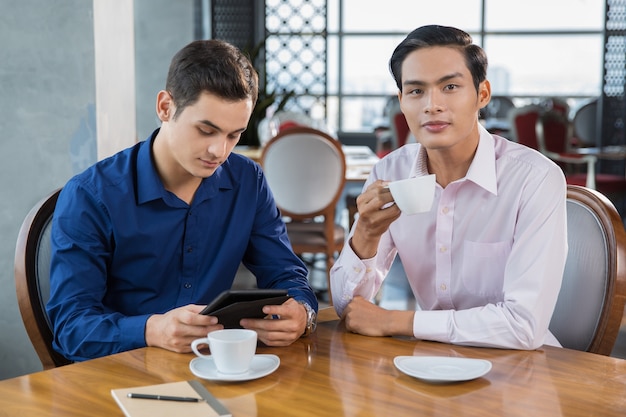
261, 366
442, 368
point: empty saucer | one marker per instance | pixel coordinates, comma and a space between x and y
442, 369
261, 366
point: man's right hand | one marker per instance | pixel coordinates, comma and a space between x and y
376, 212
176, 329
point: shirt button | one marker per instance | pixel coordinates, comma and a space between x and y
368, 270
189, 249
357, 269
443, 287
187, 285
445, 210
443, 249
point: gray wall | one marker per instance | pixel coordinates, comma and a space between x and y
47, 86
162, 27
47, 128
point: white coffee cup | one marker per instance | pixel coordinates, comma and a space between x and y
232, 350
414, 195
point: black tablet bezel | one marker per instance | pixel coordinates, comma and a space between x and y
233, 305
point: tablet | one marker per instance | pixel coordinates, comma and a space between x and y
233, 305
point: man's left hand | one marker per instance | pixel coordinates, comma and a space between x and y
364, 317
285, 329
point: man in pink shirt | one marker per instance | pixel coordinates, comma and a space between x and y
486, 262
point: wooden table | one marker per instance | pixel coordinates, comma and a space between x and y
335, 373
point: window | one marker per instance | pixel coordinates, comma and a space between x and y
536, 48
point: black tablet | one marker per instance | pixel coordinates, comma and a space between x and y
233, 305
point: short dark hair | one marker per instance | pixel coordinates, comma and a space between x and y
212, 66
435, 35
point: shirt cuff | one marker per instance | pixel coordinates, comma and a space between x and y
432, 325
352, 276
133, 332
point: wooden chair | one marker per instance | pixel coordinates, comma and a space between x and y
306, 171
590, 306
32, 272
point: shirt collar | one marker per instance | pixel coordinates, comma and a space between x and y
150, 187
482, 170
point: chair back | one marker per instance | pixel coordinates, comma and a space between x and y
32, 278
306, 171
400, 127
397, 125
554, 132
586, 124
523, 122
590, 305
557, 104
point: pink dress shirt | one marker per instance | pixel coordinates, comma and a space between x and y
486, 263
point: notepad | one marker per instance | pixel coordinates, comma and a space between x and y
136, 407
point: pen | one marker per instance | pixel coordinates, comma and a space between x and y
163, 397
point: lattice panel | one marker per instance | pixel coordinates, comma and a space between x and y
295, 51
233, 21
614, 81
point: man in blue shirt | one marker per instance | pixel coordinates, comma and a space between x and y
143, 239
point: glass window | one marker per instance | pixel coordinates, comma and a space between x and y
363, 113
536, 48
545, 65
405, 15
368, 73
552, 15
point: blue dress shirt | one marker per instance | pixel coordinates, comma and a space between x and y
124, 248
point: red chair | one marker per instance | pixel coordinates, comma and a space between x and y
401, 128
523, 122
554, 135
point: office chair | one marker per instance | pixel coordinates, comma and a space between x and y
306, 171
32, 273
590, 305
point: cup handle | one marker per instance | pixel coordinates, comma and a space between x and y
194, 347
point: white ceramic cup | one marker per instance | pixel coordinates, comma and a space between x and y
232, 350
414, 195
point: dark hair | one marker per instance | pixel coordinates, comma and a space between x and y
435, 35
212, 66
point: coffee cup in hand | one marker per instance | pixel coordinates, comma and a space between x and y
232, 350
414, 195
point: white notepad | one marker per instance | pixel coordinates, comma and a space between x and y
209, 406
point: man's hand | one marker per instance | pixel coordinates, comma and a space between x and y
366, 318
376, 212
176, 329
284, 330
